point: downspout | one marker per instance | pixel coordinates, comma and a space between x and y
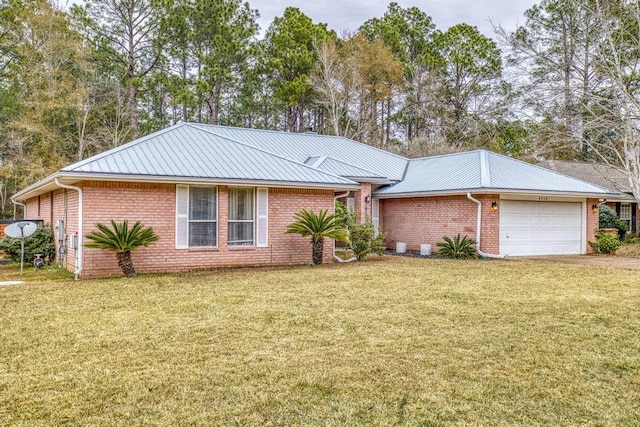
79, 250
336, 257
478, 227
24, 209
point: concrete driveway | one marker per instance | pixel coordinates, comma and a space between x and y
597, 260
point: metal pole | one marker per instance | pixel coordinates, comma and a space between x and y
21, 250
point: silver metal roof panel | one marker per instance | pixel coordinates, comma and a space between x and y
188, 151
301, 146
483, 170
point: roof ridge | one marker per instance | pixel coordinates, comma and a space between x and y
344, 138
351, 165
268, 152
485, 172
460, 153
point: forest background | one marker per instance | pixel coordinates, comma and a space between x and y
76, 82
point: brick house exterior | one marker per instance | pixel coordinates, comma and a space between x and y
155, 206
414, 201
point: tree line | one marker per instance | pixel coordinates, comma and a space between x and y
76, 82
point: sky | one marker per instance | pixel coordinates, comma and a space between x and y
350, 14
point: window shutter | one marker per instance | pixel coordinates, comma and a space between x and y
351, 204
182, 216
262, 220
375, 214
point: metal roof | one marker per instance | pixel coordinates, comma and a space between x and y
301, 146
189, 152
486, 171
185, 150
336, 167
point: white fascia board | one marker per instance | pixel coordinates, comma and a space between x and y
40, 187
492, 191
43, 187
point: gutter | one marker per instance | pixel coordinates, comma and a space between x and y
83, 176
79, 250
403, 195
24, 208
336, 257
478, 228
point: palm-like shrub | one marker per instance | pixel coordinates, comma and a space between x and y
122, 240
318, 226
457, 248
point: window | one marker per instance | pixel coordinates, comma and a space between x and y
196, 217
203, 216
241, 216
625, 212
351, 204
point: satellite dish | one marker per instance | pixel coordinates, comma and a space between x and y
20, 230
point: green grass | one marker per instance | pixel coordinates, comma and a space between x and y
391, 341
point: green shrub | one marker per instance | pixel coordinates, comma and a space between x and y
362, 236
40, 242
364, 241
346, 218
605, 243
609, 219
457, 248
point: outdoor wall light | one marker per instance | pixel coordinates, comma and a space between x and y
494, 206
367, 199
594, 208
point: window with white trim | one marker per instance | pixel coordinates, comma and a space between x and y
196, 217
241, 222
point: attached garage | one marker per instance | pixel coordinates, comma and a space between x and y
541, 228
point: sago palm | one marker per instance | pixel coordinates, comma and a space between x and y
319, 226
122, 240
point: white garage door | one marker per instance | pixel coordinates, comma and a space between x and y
540, 228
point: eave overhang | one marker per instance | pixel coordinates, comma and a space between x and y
463, 192
48, 184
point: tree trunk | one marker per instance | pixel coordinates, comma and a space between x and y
133, 109
318, 248
126, 263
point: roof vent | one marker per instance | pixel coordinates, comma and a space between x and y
310, 130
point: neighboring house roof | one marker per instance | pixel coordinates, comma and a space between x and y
484, 171
301, 146
336, 167
595, 173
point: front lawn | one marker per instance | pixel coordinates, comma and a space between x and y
391, 341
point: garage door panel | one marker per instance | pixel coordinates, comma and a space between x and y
540, 228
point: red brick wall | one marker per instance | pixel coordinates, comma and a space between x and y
361, 207
427, 219
43, 209
593, 221
154, 205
